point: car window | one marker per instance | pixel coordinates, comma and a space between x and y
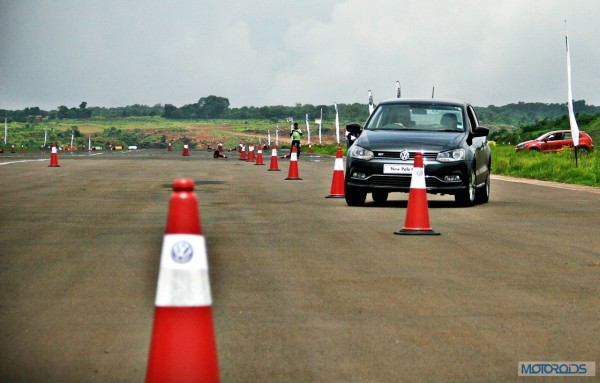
472, 117
422, 117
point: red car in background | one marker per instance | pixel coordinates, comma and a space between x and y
556, 140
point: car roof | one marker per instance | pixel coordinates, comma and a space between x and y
427, 101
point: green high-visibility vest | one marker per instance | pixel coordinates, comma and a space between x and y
296, 134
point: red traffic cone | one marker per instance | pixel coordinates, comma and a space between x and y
259, 155
337, 183
54, 157
242, 152
309, 148
220, 147
183, 346
293, 171
186, 150
274, 165
170, 147
417, 213
250, 152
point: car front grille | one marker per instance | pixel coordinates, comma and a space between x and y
396, 155
402, 181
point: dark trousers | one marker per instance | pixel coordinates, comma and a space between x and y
296, 143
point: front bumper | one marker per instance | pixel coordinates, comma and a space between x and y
369, 176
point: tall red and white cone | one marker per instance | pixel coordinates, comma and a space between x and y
186, 150
337, 183
293, 170
259, 155
417, 212
183, 346
54, 157
170, 147
274, 165
242, 152
250, 152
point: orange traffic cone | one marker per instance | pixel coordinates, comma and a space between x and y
337, 183
417, 213
183, 346
309, 148
186, 149
259, 155
242, 152
250, 152
170, 147
54, 157
274, 165
220, 147
293, 171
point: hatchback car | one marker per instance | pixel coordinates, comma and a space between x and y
557, 140
456, 154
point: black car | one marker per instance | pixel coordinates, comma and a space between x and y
456, 154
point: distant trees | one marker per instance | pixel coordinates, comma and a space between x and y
509, 116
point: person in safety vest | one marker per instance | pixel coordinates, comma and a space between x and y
296, 134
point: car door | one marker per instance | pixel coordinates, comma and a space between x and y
480, 147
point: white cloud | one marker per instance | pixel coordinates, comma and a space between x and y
312, 52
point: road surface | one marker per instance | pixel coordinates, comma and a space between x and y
305, 288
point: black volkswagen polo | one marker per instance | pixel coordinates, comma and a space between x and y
456, 154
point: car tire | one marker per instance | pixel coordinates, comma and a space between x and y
380, 197
354, 197
466, 198
483, 194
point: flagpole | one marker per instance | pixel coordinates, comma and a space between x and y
5, 131
320, 125
572, 120
337, 124
308, 128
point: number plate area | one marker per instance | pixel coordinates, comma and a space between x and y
397, 169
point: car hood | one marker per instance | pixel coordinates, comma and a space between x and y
387, 140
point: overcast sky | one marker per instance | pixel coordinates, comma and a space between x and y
274, 52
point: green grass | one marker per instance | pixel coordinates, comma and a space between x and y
557, 167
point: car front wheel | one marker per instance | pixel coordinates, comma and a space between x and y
354, 197
466, 197
483, 195
380, 197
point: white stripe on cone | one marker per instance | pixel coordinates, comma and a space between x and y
418, 178
183, 277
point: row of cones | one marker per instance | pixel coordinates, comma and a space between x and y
183, 346
417, 215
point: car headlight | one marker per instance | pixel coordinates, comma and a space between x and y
451, 155
356, 151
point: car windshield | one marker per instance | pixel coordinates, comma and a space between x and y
422, 117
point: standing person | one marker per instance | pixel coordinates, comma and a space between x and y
296, 134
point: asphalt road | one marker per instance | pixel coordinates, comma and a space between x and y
305, 288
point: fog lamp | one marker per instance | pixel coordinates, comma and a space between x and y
452, 178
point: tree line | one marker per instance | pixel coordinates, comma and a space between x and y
214, 107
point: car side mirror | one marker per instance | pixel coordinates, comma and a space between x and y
479, 131
354, 128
